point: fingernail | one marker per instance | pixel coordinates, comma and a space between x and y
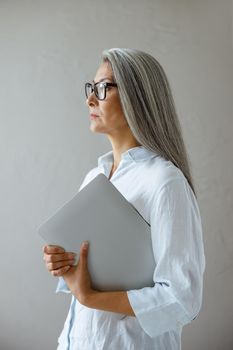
85, 244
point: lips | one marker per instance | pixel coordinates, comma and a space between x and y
93, 116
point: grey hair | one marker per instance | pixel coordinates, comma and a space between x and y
148, 105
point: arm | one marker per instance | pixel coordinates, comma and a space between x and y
176, 297
79, 282
109, 301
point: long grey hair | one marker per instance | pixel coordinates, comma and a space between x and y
148, 105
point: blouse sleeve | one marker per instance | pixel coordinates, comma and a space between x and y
176, 232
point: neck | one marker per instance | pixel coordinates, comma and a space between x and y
121, 146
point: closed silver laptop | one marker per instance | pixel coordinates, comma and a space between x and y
120, 251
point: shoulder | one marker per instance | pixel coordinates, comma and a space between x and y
158, 172
169, 187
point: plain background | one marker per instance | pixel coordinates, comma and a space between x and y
48, 50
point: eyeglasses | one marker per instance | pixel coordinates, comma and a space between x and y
98, 88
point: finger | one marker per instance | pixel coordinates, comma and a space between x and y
60, 272
52, 258
58, 265
53, 249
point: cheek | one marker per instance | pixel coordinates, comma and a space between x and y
113, 110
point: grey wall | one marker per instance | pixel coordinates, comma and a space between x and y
48, 49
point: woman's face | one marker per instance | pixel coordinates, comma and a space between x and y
111, 119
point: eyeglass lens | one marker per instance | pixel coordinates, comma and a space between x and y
98, 88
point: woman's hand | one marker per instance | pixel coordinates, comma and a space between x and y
57, 260
78, 278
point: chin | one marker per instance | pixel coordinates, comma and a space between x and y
96, 130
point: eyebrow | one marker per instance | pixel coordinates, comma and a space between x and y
101, 80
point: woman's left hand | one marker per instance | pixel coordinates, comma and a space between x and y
78, 278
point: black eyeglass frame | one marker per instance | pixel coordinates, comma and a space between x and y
93, 88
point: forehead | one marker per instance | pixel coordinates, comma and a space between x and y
104, 72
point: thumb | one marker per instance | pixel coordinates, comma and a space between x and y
84, 253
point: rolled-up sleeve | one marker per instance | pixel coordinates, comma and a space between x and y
176, 232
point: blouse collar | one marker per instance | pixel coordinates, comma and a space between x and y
136, 154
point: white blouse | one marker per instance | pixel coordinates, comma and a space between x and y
162, 195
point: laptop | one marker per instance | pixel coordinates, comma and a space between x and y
120, 248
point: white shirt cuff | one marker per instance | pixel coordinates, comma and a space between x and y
62, 287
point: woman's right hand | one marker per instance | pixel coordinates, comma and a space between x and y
57, 260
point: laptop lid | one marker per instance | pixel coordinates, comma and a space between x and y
120, 251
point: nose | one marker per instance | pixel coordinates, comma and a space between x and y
92, 100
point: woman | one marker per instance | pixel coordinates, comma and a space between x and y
130, 101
